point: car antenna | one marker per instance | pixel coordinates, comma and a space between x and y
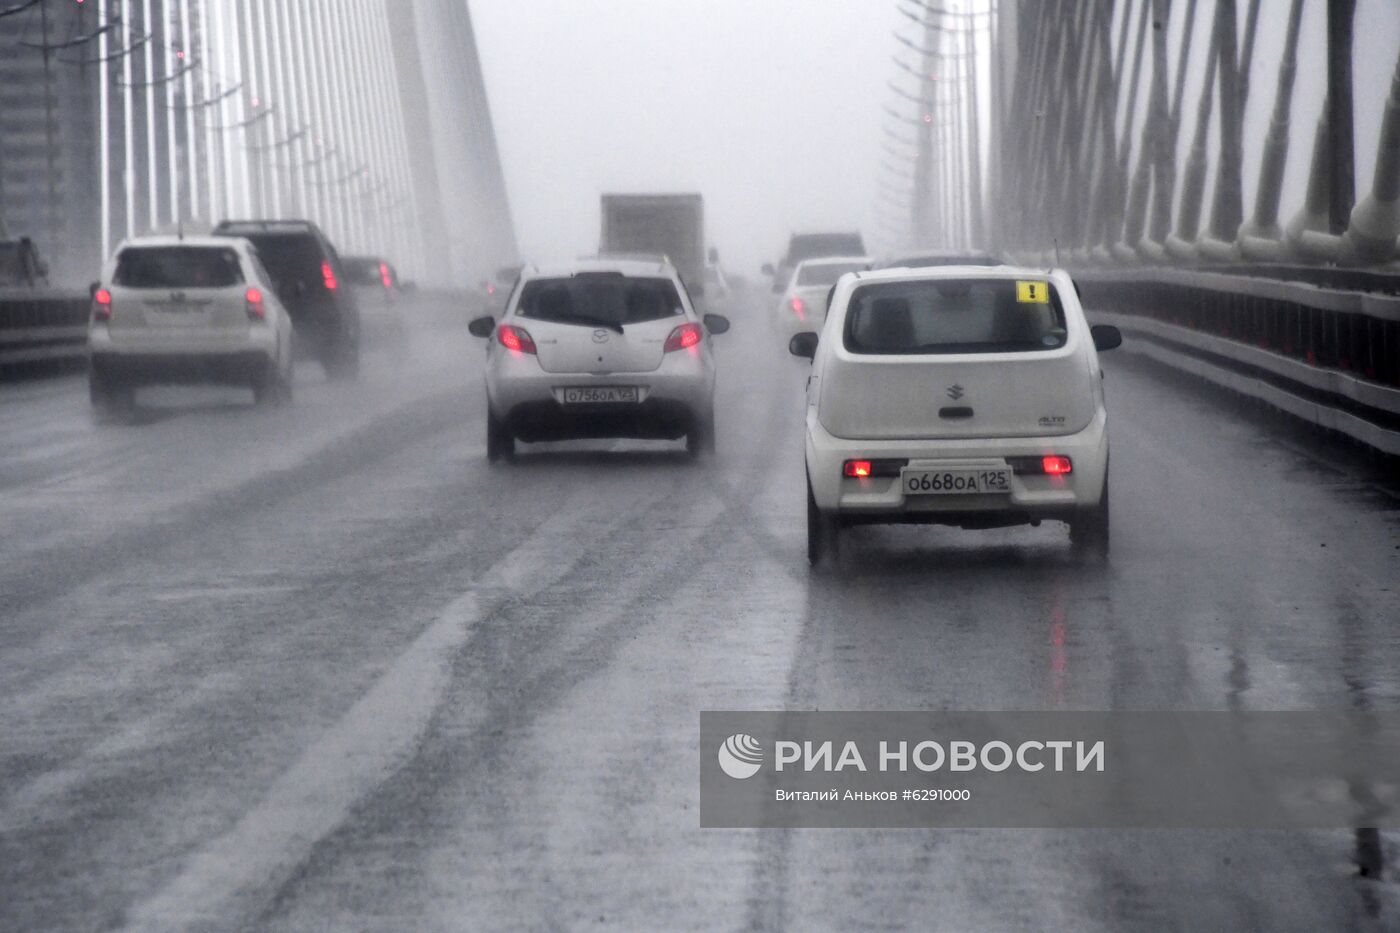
180, 229
1056, 241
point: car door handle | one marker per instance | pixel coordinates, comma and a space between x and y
955, 412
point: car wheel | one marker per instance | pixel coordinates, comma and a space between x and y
823, 532
1088, 531
500, 445
111, 400
342, 360
700, 441
273, 388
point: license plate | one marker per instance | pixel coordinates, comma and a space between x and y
954, 482
600, 395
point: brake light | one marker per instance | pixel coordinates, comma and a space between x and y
253, 303
1056, 465
328, 277
684, 337
384, 275
516, 339
799, 308
102, 305
857, 468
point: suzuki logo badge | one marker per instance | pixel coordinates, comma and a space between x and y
955, 391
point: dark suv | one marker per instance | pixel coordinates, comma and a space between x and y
308, 274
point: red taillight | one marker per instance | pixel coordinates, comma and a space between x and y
683, 337
102, 305
1056, 466
857, 468
384, 275
253, 303
328, 277
515, 338
799, 308
490, 289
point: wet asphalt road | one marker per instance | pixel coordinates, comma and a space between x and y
324, 668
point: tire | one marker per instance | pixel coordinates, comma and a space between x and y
1089, 530
700, 441
273, 389
823, 533
111, 400
500, 445
341, 360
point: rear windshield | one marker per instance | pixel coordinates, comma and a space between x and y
178, 267
599, 299
361, 271
826, 273
815, 245
955, 316
290, 257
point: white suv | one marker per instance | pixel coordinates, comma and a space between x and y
963, 395
600, 348
187, 309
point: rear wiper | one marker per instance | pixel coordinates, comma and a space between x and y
592, 322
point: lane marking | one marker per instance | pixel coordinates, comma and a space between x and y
378, 733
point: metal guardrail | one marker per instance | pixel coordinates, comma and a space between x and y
1328, 356
39, 326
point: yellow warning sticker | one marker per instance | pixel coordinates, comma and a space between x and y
1036, 293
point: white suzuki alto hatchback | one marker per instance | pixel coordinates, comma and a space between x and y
960, 395
600, 348
187, 309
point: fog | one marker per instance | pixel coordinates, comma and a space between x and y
771, 110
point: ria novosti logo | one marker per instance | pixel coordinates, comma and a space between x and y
741, 756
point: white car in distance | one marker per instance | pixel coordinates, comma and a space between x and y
605, 348
803, 305
183, 309
967, 396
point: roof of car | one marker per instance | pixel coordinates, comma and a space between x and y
936, 257
172, 239
634, 267
915, 274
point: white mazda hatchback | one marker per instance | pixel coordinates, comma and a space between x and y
600, 348
967, 396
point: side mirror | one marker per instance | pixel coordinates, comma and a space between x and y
803, 345
768, 269
92, 289
482, 326
716, 323
1106, 336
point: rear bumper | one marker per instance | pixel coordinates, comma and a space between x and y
653, 419
238, 368
1032, 497
528, 400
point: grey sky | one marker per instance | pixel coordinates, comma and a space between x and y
772, 109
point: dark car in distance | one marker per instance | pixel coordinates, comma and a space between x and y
308, 274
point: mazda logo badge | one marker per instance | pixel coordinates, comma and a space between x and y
600, 336
955, 391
